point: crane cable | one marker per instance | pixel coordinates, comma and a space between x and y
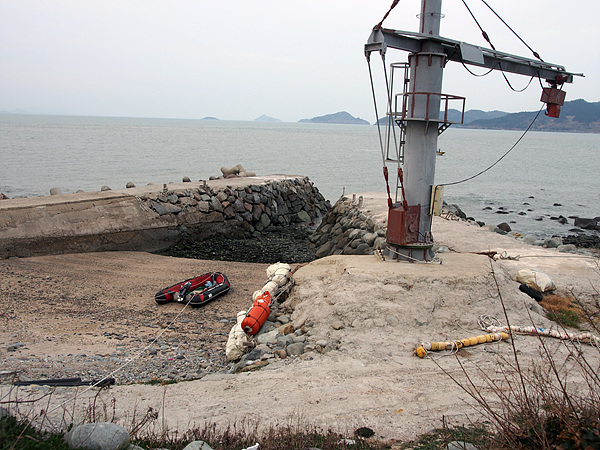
502, 157
513, 31
368, 55
385, 170
487, 38
483, 33
378, 26
510, 85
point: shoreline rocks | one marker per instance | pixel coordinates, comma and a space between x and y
584, 234
588, 224
587, 238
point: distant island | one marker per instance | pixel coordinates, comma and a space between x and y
575, 116
339, 118
265, 118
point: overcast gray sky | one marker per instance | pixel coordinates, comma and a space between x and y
239, 59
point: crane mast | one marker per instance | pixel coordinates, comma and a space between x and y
421, 113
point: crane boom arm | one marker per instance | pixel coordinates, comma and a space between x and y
382, 38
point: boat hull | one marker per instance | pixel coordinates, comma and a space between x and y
201, 289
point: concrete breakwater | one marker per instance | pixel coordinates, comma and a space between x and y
152, 218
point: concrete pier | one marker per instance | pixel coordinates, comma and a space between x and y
152, 217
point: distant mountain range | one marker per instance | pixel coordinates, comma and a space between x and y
340, 117
470, 116
474, 114
575, 116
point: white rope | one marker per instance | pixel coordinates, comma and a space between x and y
585, 338
505, 255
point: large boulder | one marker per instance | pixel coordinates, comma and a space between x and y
587, 224
98, 436
505, 227
455, 209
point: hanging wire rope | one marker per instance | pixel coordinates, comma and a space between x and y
483, 33
502, 157
381, 146
391, 123
510, 85
376, 109
389, 93
487, 38
378, 26
390, 126
513, 31
473, 73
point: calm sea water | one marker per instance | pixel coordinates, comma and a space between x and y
72, 153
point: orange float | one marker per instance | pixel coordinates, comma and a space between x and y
257, 314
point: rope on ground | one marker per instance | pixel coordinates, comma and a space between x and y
484, 321
492, 324
450, 216
505, 256
581, 338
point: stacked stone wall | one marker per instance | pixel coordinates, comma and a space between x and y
347, 230
253, 208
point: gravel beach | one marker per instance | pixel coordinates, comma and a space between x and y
85, 315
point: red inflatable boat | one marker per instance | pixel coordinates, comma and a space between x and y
197, 291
